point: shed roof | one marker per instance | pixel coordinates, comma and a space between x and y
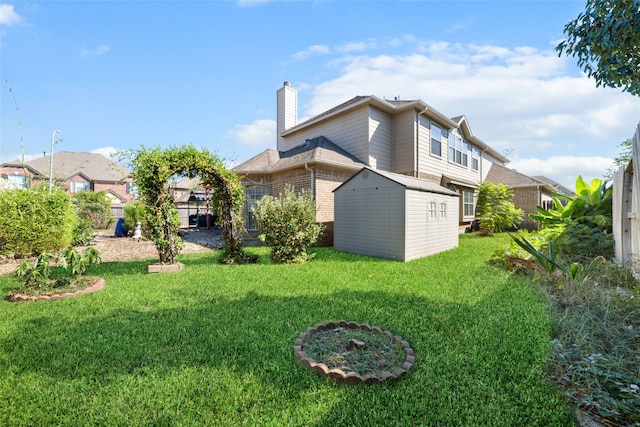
408, 182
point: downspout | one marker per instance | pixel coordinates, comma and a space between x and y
418, 141
313, 181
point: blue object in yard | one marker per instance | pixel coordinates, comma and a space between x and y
120, 230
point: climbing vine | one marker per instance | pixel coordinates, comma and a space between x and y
152, 170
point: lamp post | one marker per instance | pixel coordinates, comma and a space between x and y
53, 134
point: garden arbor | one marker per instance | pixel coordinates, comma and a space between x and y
152, 170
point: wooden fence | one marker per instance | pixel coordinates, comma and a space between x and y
626, 209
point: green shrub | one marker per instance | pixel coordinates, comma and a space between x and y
288, 225
133, 214
495, 210
34, 221
94, 206
577, 242
83, 233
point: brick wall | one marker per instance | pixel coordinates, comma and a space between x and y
326, 180
527, 199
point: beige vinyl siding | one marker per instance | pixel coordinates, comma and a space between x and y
404, 145
438, 166
363, 209
380, 139
350, 131
426, 235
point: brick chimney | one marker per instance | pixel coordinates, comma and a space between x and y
287, 109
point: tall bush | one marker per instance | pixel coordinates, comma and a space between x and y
288, 225
35, 220
94, 206
495, 210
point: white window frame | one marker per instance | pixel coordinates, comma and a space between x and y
86, 186
458, 150
475, 158
437, 141
468, 204
432, 210
253, 193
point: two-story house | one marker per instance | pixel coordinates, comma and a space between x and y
405, 137
74, 172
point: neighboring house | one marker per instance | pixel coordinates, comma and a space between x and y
404, 137
381, 214
528, 192
74, 172
559, 188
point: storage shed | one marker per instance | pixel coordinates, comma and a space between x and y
387, 215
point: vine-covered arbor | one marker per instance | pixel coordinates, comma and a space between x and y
153, 168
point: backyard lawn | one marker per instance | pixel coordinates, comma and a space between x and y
213, 345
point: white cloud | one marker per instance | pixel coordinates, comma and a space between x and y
100, 50
105, 151
525, 99
258, 133
8, 16
358, 46
564, 169
318, 49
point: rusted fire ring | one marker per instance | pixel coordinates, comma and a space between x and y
352, 377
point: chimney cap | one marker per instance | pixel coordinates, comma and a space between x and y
287, 84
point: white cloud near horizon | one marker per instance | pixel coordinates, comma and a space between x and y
564, 169
259, 133
8, 16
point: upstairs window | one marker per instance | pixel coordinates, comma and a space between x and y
436, 140
132, 188
78, 186
18, 180
458, 150
475, 158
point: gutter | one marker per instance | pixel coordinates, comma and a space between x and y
313, 181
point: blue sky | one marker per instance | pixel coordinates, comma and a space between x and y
114, 75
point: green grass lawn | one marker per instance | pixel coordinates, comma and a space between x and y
213, 345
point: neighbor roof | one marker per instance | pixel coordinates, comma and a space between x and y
316, 150
93, 166
559, 187
513, 179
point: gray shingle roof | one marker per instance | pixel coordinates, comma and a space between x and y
511, 178
316, 150
93, 166
559, 187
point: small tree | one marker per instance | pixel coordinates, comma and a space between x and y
288, 225
495, 210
